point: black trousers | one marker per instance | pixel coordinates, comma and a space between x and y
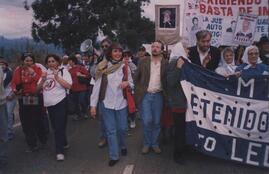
80, 100
58, 118
32, 124
179, 142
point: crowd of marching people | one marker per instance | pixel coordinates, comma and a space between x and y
101, 86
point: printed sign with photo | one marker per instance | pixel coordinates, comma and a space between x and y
245, 29
167, 23
167, 18
220, 18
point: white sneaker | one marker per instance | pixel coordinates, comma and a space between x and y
132, 124
60, 157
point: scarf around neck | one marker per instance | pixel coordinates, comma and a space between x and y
102, 68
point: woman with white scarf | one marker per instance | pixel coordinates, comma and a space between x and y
227, 64
252, 64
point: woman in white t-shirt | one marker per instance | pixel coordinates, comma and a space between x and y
54, 83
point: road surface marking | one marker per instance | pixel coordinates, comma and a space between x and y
128, 169
17, 125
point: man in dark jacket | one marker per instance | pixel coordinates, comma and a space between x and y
263, 46
203, 54
149, 86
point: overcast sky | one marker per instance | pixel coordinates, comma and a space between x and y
15, 21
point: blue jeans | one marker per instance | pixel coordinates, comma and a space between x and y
102, 129
3, 133
116, 129
10, 112
151, 110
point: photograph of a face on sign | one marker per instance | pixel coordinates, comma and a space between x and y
192, 26
245, 29
167, 18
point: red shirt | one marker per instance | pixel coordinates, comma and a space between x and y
76, 86
29, 81
178, 110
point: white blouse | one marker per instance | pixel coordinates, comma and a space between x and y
114, 98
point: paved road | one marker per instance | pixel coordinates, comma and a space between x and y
84, 157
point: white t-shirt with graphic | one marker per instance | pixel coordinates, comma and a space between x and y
53, 92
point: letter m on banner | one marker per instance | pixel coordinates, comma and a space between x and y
227, 117
250, 83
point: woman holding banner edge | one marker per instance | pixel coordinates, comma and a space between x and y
252, 64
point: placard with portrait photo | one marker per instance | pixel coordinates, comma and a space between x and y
167, 18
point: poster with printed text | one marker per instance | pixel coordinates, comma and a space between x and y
245, 29
220, 18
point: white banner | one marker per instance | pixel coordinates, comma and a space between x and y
227, 117
220, 17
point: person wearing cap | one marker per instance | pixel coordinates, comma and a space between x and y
24, 85
109, 86
263, 46
10, 96
3, 123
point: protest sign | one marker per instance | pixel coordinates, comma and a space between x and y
220, 17
167, 23
227, 117
245, 29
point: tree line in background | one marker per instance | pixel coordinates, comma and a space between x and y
66, 23
12, 49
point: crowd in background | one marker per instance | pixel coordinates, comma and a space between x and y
84, 86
